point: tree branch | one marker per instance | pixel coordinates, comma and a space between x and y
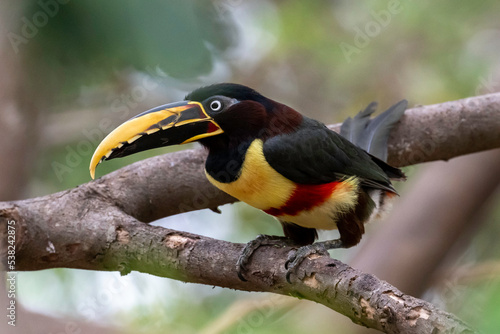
111, 240
98, 225
446, 130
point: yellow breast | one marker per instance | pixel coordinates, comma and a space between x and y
264, 188
258, 183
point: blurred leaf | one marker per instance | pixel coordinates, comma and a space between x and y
85, 40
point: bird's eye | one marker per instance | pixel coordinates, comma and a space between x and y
216, 105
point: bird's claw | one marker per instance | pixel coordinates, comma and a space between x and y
294, 259
297, 257
252, 246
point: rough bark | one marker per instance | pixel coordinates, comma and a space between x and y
98, 225
446, 130
107, 240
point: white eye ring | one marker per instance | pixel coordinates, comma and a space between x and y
216, 105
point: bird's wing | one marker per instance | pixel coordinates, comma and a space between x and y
315, 155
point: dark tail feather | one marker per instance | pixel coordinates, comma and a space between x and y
372, 134
352, 128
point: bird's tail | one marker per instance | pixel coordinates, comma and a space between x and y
372, 134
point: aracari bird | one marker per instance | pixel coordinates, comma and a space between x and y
270, 156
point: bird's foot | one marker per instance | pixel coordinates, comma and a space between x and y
251, 247
296, 258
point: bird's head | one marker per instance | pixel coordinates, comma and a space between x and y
214, 115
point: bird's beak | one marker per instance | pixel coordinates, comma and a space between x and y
170, 124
